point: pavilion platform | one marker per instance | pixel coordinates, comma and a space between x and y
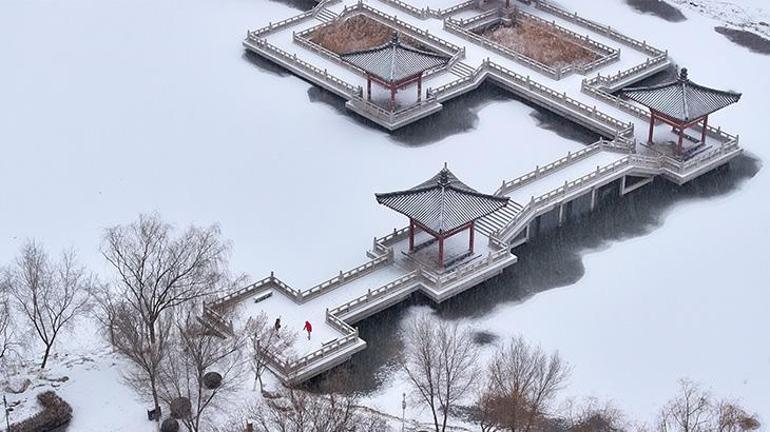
623, 161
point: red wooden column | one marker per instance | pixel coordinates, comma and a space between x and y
392, 98
411, 235
703, 133
441, 250
369, 88
472, 233
681, 137
419, 88
652, 126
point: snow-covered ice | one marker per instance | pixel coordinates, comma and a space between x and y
114, 108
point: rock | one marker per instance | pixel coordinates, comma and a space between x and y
17, 386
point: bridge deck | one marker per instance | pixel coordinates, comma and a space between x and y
390, 276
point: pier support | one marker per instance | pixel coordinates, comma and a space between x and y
593, 199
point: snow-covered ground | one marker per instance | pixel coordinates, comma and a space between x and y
109, 109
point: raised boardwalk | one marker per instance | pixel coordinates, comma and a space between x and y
616, 164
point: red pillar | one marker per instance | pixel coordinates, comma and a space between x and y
368, 88
441, 251
411, 235
703, 133
679, 143
652, 126
419, 89
472, 233
392, 98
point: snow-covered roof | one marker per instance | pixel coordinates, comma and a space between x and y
395, 61
442, 203
682, 99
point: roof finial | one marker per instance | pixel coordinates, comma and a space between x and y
445, 166
394, 40
683, 74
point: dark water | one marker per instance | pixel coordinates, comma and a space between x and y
746, 39
264, 65
658, 8
559, 250
459, 115
302, 5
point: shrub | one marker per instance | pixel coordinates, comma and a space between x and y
56, 413
212, 380
169, 425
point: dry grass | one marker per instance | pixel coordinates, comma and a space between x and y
356, 33
539, 42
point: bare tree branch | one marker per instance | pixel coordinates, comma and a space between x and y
440, 361
50, 295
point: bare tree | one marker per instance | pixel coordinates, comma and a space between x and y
731, 417
265, 341
201, 368
128, 335
590, 415
158, 270
440, 361
293, 410
7, 331
522, 382
695, 410
50, 295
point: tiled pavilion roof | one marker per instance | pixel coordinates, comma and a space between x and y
395, 61
442, 203
682, 99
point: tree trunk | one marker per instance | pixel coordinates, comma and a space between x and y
45, 356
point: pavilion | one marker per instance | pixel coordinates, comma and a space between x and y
394, 65
442, 207
681, 104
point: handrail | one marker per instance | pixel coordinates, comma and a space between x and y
599, 28
330, 79
375, 294
344, 277
511, 185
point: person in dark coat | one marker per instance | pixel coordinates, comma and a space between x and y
308, 328
277, 326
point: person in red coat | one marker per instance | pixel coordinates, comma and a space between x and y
308, 328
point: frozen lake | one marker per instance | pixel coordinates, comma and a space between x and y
114, 108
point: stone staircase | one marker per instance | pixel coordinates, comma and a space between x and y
326, 15
461, 69
493, 222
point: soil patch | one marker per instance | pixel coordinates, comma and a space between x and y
538, 41
357, 33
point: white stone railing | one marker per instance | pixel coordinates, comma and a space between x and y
289, 368
382, 245
451, 27
509, 186
526, 84
406, 7
375, 294
442, 45
272, 27
442, 280
464, 28
621, 128
532, 208
392, 116
264, 46
598, 28
648, 64
443, 13
345, 277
